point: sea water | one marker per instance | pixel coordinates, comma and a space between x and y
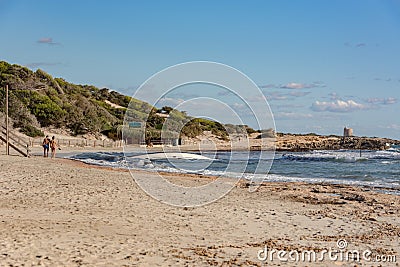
372, 168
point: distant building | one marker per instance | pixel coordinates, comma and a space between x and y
347, 132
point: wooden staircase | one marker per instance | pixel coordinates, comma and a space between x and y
14, 141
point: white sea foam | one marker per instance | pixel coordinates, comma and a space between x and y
374, 168
342, 155
185, 156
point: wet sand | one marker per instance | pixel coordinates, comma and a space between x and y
65, 213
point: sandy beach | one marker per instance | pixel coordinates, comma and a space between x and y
199, 133
58, 212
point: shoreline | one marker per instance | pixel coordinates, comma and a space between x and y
242, 182
72, 151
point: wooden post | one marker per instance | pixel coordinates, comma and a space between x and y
7, 130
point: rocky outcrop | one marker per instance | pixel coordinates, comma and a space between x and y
288, 142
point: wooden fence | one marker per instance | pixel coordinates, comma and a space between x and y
80, 142
37, 142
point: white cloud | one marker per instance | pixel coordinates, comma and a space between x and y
286, 106
171, 102
271, 96
356, 45
294, 85
302, 85
43, 64
268, 86
292, 116
338, 106
334, 96
225, 93
239, 106
256, 98
383, 101
393, 126
299, 93
47, 40
276, 96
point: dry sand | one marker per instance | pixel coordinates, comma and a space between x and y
64, 213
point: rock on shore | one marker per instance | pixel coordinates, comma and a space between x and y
292, 142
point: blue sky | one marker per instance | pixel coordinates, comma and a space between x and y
322, 65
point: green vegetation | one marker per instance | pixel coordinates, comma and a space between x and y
39, 100
31, 131
36, 99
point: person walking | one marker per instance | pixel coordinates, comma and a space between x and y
53, 146
46, 145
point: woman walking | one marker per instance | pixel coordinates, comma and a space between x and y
53, 146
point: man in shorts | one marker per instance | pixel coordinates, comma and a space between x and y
46, 146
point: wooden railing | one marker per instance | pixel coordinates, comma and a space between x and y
14, 141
